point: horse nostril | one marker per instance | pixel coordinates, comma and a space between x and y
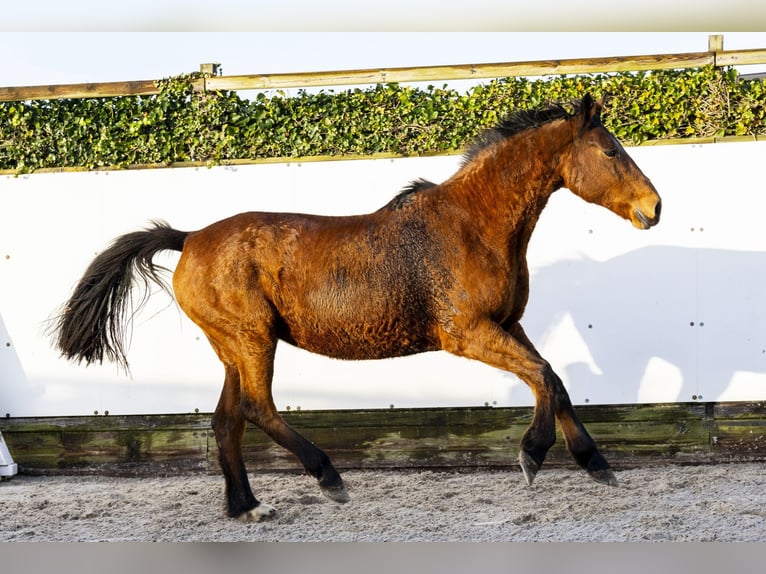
657, 209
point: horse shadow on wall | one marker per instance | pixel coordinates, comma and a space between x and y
11, 372
659, 324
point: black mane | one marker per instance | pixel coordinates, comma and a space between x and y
513, 124
518, 122
403, 197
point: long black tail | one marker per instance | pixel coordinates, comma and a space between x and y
92, 323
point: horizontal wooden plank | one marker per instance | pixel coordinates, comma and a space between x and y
459, 72
326, 158
88, 90
116, 444
400, 74
741, 411
741, 439
740, 57
628, 435
106, 423
738, 431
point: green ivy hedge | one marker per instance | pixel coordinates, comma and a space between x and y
179, 125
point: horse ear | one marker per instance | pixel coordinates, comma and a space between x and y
587, 104
591, 110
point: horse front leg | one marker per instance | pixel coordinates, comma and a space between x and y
488, 342
229, 427
578, 441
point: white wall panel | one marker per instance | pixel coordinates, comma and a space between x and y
676, 313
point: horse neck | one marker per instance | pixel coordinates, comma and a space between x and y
507, 185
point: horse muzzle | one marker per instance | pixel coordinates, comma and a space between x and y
643, 221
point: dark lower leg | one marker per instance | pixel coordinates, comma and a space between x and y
229, 427
583, 448
314, 460
508, 347
579, 443
537, 440
239, 496
553, 398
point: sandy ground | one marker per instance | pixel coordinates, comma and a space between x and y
669, 503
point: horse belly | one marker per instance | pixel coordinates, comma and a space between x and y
363, 296
365, 336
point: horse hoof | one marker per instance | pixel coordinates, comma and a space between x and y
259, 513
603, 476
529, 467
336, 493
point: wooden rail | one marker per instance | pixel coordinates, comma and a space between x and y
628, 435
462, 72
714, 56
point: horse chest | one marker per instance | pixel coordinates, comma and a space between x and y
511, 300
494, 283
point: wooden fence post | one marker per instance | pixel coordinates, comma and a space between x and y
211, 69
715, 45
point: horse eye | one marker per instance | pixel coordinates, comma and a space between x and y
611, 152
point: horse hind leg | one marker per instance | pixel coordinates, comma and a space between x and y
257, 406
229, 427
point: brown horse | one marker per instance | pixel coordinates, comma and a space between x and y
440, 267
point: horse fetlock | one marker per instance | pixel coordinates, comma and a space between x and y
534, 447
259, 513
325, 473
537, 441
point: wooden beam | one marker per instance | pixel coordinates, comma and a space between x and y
628, 435
740, 57
715, 56
97, 90
211, 69
409, 74
459, 72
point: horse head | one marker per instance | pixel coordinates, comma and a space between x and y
599, 170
